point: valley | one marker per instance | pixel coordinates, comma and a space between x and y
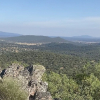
64, 62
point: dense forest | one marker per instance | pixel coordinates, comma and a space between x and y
73, 69
89, 51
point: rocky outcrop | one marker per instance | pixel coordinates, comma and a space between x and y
30, 79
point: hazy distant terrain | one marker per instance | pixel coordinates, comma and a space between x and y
83, 38
7, 34
12, 37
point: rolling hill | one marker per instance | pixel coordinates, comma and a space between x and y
34, 39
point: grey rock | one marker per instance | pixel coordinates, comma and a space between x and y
43, 96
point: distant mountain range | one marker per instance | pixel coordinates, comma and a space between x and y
7, 34
12, 37
82, 36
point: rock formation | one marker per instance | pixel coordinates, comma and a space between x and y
30, 79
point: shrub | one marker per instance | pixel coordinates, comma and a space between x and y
11, 90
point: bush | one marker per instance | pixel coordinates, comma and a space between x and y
10, 90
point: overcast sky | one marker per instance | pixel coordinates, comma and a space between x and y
51, 17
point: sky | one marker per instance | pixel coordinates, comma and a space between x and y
51, 17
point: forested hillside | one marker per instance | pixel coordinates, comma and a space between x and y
90, 51
73, 70
52, 61
34, 39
